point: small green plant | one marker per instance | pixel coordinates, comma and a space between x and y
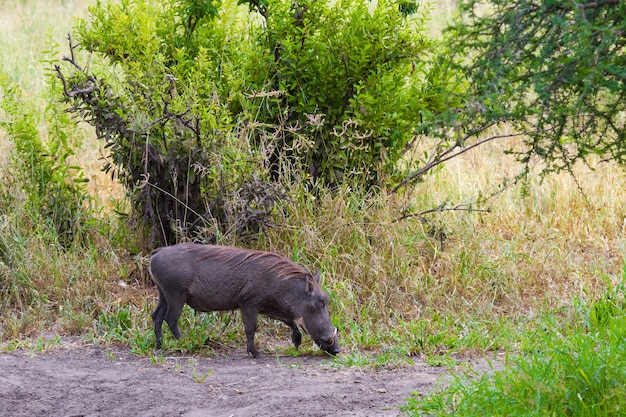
43, 343
352, 359
116, 325
440, 361
111, 355
143, 342
369, 359
157, 358
200, 377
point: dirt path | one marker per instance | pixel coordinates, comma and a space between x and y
96, 381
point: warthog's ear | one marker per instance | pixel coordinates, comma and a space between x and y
311, 280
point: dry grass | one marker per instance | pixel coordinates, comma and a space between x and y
25, 26
549, 246
532, 254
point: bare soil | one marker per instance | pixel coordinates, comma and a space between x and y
104, 381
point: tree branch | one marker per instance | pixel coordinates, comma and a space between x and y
447, 155
459, 207
596, 4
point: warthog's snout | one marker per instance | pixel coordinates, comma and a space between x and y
331, 344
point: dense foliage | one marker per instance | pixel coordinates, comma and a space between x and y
344, 72
554, 70
209, 110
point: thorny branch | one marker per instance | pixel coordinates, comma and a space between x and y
459, 207
454, 151
467, 206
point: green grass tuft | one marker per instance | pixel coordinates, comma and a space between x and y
575, 373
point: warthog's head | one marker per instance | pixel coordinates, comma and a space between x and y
314, 317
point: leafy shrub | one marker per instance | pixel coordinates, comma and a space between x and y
198, 107
346, 74
172, 141
55, 190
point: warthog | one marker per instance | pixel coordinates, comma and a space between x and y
217, 278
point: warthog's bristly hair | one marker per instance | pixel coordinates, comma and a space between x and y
236, 257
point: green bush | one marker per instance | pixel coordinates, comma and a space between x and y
345, 73
207, 107
184, 161
40, 167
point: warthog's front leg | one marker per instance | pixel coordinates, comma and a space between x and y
296, 336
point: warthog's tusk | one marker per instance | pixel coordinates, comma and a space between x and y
333, 338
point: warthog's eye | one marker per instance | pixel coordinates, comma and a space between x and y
322, 301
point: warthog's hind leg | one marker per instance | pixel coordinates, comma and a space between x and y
175, 303
157, 317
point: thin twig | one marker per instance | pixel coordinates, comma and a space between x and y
437, 161
460, 207
505, 185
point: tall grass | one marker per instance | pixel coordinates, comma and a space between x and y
46, 285
452, 281
402, 285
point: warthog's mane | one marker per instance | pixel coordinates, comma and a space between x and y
233, 257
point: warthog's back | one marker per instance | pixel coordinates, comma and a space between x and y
217, 277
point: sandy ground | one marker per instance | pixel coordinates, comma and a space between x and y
104, 381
